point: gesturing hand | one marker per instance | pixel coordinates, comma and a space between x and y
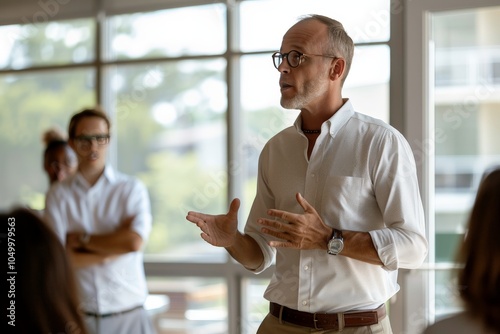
218, 230
301, 231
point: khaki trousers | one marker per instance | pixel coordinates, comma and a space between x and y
272, 325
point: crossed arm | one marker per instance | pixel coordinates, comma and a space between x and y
86, 250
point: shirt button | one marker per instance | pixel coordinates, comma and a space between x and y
306, 267
313, 175
304, 302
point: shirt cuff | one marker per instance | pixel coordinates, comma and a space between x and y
267, 251
383, 240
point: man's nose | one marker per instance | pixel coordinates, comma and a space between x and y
284, 67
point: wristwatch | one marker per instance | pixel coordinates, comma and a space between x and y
336, 244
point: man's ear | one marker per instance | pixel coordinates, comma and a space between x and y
337, 69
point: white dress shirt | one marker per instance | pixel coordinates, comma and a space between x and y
74, 206
361, 176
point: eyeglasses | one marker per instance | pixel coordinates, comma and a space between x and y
294, 58
85, 142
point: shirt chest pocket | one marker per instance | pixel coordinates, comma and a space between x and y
345, 198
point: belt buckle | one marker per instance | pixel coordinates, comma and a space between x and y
315, 321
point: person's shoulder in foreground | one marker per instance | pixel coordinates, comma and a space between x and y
480, 253
458, 324
46, 299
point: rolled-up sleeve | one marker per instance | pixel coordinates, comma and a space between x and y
403, 243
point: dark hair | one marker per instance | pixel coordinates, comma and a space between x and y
56, 143
94, 112
46, 299
54, 146
340, 42
53, 140
479, 280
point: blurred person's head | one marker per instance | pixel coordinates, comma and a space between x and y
479, 280
89, 137
46, 299
59, 159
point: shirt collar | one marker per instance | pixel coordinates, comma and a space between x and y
334, 123
108, 175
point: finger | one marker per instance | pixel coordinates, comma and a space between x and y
275, 213
274, 224
301, 200
285, 215
202, 225
195, 214
195, 217
191, 218
274, 234
277, 234
207, 238
234, 207
281, 244
304, 203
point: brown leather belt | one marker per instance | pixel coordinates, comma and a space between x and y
335, 321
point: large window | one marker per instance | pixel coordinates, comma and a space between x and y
193, 96
453, 115
467, 116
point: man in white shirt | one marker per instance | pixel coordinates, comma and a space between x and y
104, 219
337, 200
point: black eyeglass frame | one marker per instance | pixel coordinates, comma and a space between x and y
278, 57
86, 141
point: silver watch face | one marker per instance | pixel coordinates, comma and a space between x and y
335, 246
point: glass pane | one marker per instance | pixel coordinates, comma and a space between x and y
263, 117
255, 307
447, 297
188, 305
52, 43
367, 85
36, 102
196, 30
171, 133
365, 21
467, 119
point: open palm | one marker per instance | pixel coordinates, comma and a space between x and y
217, 230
